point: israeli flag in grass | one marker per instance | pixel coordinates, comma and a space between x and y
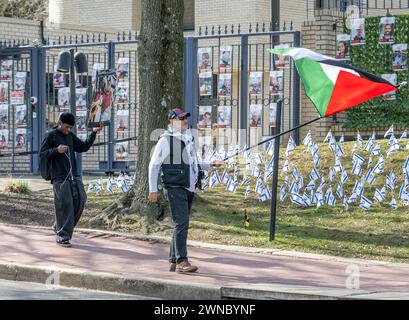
205, 184
356, 169
110, 186
331, 174
356, 158
390, 151
369, 145
369, 161
255, 172
358, 188
297, 199
245, 181
332, 144
259, 158
391, 180
270, 148
287, 180
359, 140
379, 196
404, 135
352, 198
338, 165
329, 197
214, 180
268, 174
296, 173
307, 141
90, 188
290, 147
225, 176
376, 150
379, 166
402, 191
306, 199
248, 190
318, 196
340, 191
282, 193
344, 177
393, 203
316, 159
339, 151
300, 182
314, 175
405, 168
389, 132
342, 139
310, 185
294, 187
124, 187
328, 136
259, 186
231, 185
286, 167
370, 177
345, 203
323, 183
265, 195
365, 203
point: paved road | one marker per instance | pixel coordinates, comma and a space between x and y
17, 290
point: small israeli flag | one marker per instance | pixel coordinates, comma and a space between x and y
286, 167
379, 166
245, 181
370, 177
225, 176
340, 191
270, 149
259, 158
391, 180
231, 185
110, 186
338, 165
369, 161
342, 139
356, 169
282, 193
332, 144
405, 168
379, 196
311, 185
248, 190
294, 187
369, 145
306, 199
393, 203
345, 203
344, 177
323, 182
331, 174
90, 188
316, 159
314, 175
359, 140
290, 147
265, 195
300, 182
352, 198
404, 135
297, 199
390, 151
328, 136
389, 132
214, 180
329, 197
339, 151
376, 150
255, 172
287, 180
365, 203
358, 188
356, 158
259, 187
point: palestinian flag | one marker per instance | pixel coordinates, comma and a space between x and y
332, 85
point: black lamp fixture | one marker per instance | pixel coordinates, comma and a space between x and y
64, 62
80, 62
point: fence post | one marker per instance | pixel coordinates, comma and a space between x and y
35, 109
243, 90
296, 93
190, 80
111, 127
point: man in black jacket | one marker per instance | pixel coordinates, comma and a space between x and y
59, 149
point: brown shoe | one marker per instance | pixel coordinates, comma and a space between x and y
185, 267
172, 267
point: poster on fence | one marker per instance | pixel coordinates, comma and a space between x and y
58, 78
21, 138
387, 30
205, 117
392, 78
4, 139
4, 115
204, 143
205, 83
224, 85
102, 98
95, 68
16, 97
20, 81
121, 151
122, 69
225, 57
64, 99
255, 115
358, 31
122, 123
122, 93
204, 58
400, 57
224, 117
276, 82
272, 115
81, 99
343, 44
81, 120
21, 116
256, 81
4, 92
6, 70
279, 60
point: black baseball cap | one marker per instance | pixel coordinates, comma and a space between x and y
177, 113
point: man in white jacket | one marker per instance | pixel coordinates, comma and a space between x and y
175, 155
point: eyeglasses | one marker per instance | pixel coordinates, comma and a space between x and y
182, 118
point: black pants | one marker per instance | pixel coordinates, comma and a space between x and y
180, 201
69, 201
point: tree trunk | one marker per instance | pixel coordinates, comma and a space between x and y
160, 60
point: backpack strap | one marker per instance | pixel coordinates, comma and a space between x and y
171, 149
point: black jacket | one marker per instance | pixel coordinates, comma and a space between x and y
60, 162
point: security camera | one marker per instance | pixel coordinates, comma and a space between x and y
33, 101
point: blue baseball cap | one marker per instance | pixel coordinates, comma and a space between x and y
177, 113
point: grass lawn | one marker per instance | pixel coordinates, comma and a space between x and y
380, 233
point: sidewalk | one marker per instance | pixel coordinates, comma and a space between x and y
122, 264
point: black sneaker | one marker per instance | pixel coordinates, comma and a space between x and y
64, 242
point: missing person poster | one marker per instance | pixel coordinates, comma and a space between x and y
204, 59
4, 115
276, 82
95, 68
20, 138
392, 78
400, 57
6, 70
4, 139
387, 30
21, 116
20, 81
81, 121
224, 85
4, 92
81, 99
255, 115
121, 151
16, 97
205, 117
122, 123
103, 98
122, 69
224, 117
58, 78
256, 83
343, 44
272, 115
205, 83
279, 60
64, 99
358, 31
225, 57
122, 93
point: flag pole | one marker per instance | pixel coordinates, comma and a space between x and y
273, 137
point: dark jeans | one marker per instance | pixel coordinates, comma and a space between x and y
180, 201
69, 201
